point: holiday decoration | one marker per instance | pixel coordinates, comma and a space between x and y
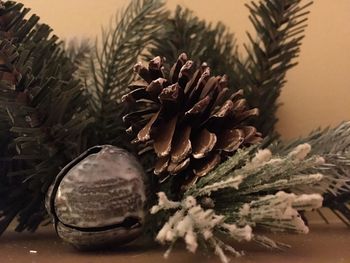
107, 71
247, 205
99, 198
43, 115
190, 118
206, 132
260, 71
333, 144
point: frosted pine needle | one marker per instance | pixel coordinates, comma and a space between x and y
244, 193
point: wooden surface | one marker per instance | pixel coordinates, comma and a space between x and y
324, 244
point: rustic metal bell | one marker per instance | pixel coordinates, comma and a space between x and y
99, 199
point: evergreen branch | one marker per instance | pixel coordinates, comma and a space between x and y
333, 144
197, 225
323, 141
241, 157
242, 194
111, 66
44, 120
280, 26
184, 32
79, 54
77, 50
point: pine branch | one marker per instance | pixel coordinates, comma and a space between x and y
323, 141
79, 54
333, 144
111, 66
44, 120
337, 198
242, 195
280, 26
202, 42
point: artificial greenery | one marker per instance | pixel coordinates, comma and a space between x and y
334, 145
78, 52
280, 27
261, 70
49, 112
42, 109
111, 66
183, 32
57, 101
243, 194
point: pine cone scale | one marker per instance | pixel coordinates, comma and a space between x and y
145, 133
135, 95
164, 136
206, 165
230, 140
161, 165
156, 87
209, 87
199, 107
143, 72
226, 110
196, 91
170, 94
191, 85
221, 98
175, 70
203, 144
182, 146
175, 168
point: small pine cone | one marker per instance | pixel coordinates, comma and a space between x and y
190, 119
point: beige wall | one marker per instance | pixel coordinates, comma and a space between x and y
318, 89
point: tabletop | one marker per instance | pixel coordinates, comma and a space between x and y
324, 244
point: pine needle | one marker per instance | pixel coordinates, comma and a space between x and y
111, 66
333, 144
42, 111
280, 27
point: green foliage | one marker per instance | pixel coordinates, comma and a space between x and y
323, 141
49, 112
79, 53
184, 32
111, 66
338, 201
333, 144
280, 26
42, 115
47, 115
263, 173
243, 194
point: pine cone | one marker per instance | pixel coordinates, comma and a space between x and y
191, 119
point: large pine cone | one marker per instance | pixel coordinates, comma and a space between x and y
191, 119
